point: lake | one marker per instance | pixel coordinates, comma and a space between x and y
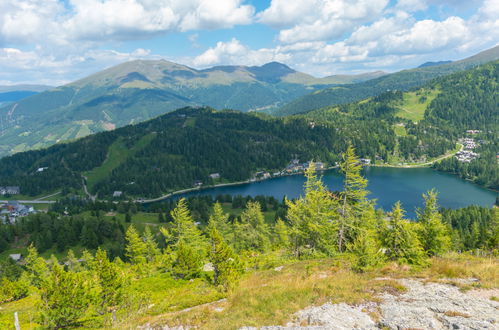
386, 184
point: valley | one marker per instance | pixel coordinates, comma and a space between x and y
155, 195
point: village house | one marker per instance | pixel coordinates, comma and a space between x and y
466, 156
17, 257
365, 161
214, 176
117, 194
14, 209
10, 190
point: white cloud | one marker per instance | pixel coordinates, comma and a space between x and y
42, 21
233, 52
314, 20
48, 69
411, 5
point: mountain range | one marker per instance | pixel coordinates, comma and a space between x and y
139, 90
135, 91
174, 150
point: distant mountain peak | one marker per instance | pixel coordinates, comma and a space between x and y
428, 64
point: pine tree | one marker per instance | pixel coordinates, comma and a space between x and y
184, 229
313, 218
433, 234
135, 249
401, 240
128, 217
65, 298
226, 264
354, 201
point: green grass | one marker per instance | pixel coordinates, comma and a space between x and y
117, 154
400, 130
415, 104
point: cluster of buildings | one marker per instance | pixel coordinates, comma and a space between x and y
10, 190
468, 143
295, 167
12, 210
466, 156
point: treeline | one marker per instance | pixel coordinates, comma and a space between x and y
76, 222
319, 224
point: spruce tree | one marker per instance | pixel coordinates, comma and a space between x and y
188, 261
220, 221
354, 201
433, 234
367, 251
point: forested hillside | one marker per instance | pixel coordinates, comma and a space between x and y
401, 81
136, 91
176, 150
429, 120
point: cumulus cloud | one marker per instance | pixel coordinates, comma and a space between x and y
98, 20
319, 19
234, 52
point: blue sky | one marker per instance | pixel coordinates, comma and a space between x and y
58, 41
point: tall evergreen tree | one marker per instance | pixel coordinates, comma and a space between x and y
135, 249
354, 201
401, 240
220, 221
313, 218
226, 264
433, 233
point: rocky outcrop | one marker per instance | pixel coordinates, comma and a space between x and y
422, 306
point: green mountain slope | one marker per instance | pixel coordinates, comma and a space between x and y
139, 90
427, 119
403, 80
173, 151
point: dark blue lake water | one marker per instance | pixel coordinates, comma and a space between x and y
387, 185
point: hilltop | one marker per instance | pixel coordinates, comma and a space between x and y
136, 91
